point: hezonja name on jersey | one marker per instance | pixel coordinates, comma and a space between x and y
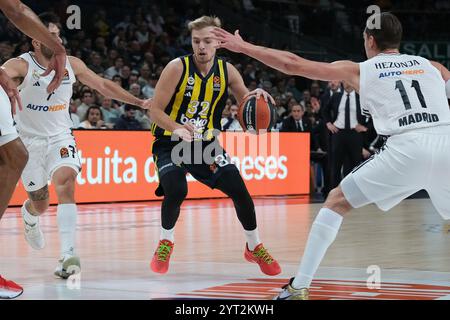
418, 117
387, 65
54, 108
398, 73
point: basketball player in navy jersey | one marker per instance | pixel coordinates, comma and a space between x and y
407, 98
188, 103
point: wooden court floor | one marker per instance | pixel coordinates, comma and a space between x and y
408, 249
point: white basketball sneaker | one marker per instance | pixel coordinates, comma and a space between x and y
68, 265
33, 233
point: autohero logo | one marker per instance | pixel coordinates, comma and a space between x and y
54, 108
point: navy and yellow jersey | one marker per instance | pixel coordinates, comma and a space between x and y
197, 99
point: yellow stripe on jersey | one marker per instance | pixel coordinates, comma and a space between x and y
223, 86
209, 90
193, 103
180, 95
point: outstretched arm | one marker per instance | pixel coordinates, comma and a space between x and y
290, 63
106, 87
30, 24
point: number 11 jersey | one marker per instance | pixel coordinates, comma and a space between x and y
402, 92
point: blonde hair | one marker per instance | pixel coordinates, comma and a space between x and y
203, 22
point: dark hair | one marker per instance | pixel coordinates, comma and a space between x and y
86, 91
89, 110
49, 17
389, 35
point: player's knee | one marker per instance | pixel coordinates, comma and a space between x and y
337, 202
65, 187
176, 191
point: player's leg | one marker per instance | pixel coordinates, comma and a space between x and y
63, 166
173, 186
35, 179
384, 180
64, 179
231, 183
13, 158
438, 183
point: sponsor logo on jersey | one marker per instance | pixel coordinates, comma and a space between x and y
36, 84
188, 94
417, 117
191, 81
404, 64
197, 122
53, 108
64, 152
216, 83
399, 73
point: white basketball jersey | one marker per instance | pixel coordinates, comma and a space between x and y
402, 92
44, 114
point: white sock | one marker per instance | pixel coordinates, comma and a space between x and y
67, 225
167, 234
27, 216
322, 234
252, 238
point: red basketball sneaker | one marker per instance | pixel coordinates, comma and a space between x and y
160, 261
262, 257
9, 289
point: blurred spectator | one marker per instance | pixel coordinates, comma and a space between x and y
291, 87
135, 54
94, 119
128, 121
117, 79
144, 119
73, 114
315, 89
135, 90
332, 88
87, 99
110, 112
125, 73
96, 63
114, 70
230, 123
149, 89
155, 22
295, 122
144, 75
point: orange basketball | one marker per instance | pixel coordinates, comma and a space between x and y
256, 114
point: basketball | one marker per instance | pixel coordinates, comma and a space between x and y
256, 114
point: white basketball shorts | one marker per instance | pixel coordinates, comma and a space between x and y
46, 155
410, 161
